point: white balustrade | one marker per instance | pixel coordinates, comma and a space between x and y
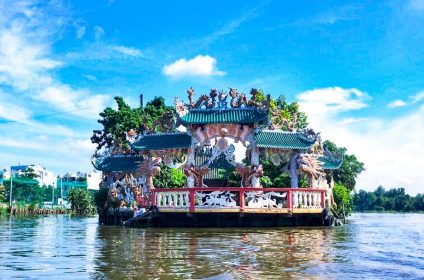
253, 199
306, 199
176, 199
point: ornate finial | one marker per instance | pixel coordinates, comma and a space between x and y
237, 99
309, 135
180, 108
213, 94
253, 92
222, 99
190, 93
233, 93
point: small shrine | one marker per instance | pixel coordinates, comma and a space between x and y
219, 134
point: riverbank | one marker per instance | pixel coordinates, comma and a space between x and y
6, 210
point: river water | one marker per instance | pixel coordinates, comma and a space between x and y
371, 246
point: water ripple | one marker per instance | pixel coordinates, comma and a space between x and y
371, 246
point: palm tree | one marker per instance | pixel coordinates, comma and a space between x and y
81, 202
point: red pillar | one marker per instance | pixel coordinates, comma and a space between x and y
192, 202
289, 199
242, 202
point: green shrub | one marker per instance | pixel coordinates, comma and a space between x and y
342, 198
81, 202
33, 206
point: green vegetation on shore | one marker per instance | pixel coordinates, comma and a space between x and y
393, 200
27, 190
82, 202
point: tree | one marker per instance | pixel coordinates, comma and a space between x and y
81, 202
28, 190
286, 110
169, 178
29, 173
117, 122
342, 198
289, 111
2, 193
394, 199
350, 169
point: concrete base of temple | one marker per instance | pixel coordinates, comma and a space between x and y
196, 220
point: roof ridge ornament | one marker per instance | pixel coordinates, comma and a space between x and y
309, 135
333, 157
209, 101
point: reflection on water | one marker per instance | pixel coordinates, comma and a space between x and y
371, 246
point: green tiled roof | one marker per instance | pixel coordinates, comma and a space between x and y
283, 140
328, 163
163, 141
227, 115
118, 163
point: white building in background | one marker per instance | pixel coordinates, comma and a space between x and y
6, 174
44, 176
93, 180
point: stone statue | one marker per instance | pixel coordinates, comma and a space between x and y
197, 173
248, 172
310, 166
149, 168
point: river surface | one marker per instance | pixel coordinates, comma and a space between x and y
371, 246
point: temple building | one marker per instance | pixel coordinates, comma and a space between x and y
213, 132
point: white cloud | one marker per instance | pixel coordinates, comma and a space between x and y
388, 147
30, 90
332, 100
128, 51
414, 99
26, 66
201, 65
104, 51
396, 103
78, 102
22, 63
11, 111
418, 97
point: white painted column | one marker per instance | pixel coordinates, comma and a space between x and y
190, 162
254, 160
293, 171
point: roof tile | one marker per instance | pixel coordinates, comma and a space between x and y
163, 141
227, 115
282, 140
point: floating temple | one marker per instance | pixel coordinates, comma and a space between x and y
204, 138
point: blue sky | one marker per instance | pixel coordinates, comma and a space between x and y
356, 68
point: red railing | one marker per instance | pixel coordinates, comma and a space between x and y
238, 198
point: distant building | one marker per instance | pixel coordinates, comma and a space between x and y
89, 181
93, 180
6, 174
44, 176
